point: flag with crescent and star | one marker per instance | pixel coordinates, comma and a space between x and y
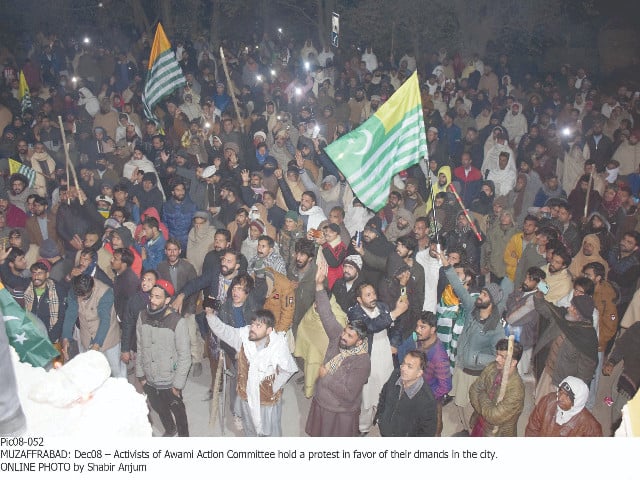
25, 332
392, 140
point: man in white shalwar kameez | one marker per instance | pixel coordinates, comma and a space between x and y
264, 366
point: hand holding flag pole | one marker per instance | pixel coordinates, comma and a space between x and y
433, 210
466, 212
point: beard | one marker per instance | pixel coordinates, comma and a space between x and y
483, 305
526, 288
348, 277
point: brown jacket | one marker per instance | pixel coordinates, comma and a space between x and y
281, 299
542, 422
603, 299
35, 235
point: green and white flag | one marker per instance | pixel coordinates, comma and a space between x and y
30, 341
392, 140
164, 74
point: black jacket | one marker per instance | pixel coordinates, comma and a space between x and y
401, 416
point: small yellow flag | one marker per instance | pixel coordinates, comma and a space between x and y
23, 88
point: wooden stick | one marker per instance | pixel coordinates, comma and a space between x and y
229, 86
215, 400
505, 375
68, 161
466, 212
586, 201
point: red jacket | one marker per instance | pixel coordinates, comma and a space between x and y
334, 257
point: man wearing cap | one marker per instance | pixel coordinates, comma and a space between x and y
103, 205
50, 251
563, 413
345, 288
164, 358
476, 344
90, 302
568, 344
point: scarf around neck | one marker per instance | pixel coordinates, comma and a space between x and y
333, 364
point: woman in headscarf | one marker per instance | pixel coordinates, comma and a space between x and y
590, 252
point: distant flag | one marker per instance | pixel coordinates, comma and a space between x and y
392, 140
23, 93
30, 341
164, 75
17, 167
335, 29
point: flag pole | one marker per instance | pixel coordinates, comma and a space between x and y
433, 209
229, 85
466, 212
68, 162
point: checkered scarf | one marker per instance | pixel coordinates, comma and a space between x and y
54, 304
333, 364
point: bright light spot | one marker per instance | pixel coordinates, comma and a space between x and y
298, 91
306, 65
74, 79
87, 40
280, 30
207, 125
259, 78
566, 131
273, 72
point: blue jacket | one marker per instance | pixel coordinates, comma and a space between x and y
477, 342
155, 253
375, 325
177, 217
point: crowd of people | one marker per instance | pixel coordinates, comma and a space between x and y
220, 230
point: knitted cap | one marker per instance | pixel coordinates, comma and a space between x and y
355, 260
259, 225
292, 214
494, 292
